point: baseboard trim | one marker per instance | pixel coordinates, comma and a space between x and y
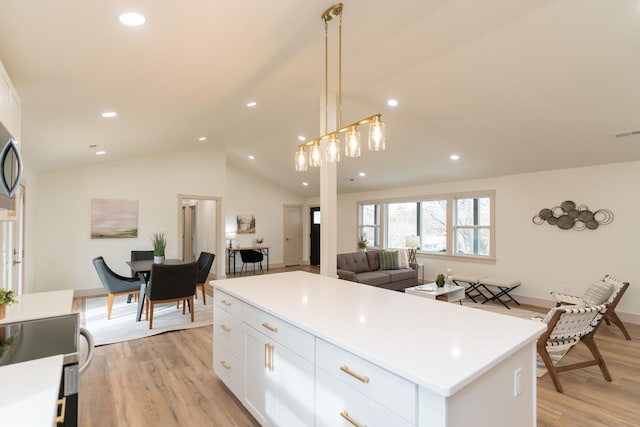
79, 293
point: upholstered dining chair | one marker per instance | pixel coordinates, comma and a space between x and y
205, 261
141, 256
171, 283
567, 326
115, 284
608, 291
250, 256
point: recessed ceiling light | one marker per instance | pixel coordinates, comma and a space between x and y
306, 184
251, 157
392, 103
202, 138
132, 19
252, 104
109, 114
454, 157
100, 152
302, 138
362, 174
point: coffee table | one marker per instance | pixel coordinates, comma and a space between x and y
449, 293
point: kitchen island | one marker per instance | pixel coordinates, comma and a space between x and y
303, 349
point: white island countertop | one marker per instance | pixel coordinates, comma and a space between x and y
39, 305
437, 345
29, 392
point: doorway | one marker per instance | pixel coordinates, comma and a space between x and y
314, 238
12, 241
198, 227
292, 232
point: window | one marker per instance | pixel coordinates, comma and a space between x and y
473, 226
369, 223
454, 225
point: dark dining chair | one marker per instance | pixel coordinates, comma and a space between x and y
141, 256
171, 283
205, 261
115, 284
250, 256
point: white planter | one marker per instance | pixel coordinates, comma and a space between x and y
158, 259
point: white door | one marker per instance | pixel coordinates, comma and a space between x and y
292, 223
11, 239
259, 387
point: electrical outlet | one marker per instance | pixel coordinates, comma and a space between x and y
517, 382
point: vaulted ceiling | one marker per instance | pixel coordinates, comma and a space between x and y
510, 86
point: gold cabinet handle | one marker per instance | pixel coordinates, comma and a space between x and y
266, 356
346, 370
225, 302
345, 415
224, 365
269, 327
63, 407
271, 366
225, 328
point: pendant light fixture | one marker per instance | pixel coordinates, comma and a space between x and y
314, 156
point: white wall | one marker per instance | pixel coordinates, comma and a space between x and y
543, 257
249, 194
61, 249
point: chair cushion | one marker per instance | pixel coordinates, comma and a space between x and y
597, 293
388, 260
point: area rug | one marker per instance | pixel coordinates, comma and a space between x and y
123, 325
556, 353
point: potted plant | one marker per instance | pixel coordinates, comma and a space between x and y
6, 298
440, 280
362, 243
159, 241
259, 240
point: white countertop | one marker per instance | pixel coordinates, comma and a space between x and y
39, 305
29, 392
439, 346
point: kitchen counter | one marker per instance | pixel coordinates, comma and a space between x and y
441, 347
39, 305
29, 392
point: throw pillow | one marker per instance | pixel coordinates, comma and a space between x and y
388, 260
597, 293
403, 259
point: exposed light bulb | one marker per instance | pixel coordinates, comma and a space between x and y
315, 158
333, 149
352, 146
301, 159
376, 135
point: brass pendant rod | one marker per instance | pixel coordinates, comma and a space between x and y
326, 77
340, 72
341, 130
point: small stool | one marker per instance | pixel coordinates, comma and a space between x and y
504, 289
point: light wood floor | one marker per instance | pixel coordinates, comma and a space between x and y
168, 380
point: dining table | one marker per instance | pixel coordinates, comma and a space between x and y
143, 269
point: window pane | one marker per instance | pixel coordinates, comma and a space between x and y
470, 213
401, 222
370, 234
473, 241
368, 215
434, 226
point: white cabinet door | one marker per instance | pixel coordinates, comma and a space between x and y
259, 383
296, 388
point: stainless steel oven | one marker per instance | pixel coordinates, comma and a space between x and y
35, 339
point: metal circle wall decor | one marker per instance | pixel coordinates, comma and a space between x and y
569, 216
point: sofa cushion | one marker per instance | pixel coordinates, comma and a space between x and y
353, 261
376, 278
374, 261
402, 274
597, 293
388, 260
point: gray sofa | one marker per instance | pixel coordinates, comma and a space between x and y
364, 267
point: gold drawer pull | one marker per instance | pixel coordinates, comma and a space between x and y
346, 370
269, 327
225, 302
345, 415
225, 328
224, 365
63, 407
266, 356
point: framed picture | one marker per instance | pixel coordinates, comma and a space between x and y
114, 219
246, 223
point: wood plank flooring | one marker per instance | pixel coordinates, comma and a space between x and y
168, 380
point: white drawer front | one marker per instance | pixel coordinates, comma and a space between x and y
227, 302
229, 369
335, 402
278, 330
227, 330
384, 387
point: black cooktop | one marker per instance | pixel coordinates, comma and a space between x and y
34, 339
